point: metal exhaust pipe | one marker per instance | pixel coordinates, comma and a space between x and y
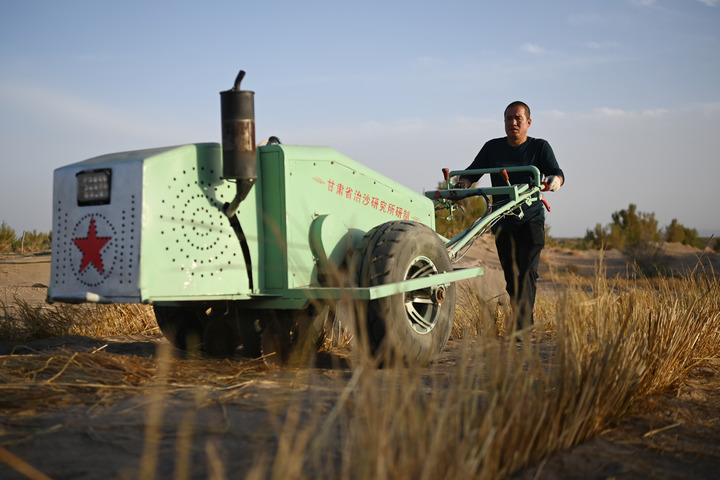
237, 110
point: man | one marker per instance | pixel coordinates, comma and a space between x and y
519, 241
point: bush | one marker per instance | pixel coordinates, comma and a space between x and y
637, 234
572, 243
34, 241
28, 242
680, 234
631, 229
635, 229
469, 210
7, 238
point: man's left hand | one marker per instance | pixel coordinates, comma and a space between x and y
554, 182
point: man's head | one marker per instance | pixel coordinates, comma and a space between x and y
517, 122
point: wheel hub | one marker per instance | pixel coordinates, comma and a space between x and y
440, 295
423, 306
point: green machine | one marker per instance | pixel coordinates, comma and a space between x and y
237, 245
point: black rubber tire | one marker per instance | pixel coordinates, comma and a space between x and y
308, 333
415, 325
199, 329
293, 337
220, 335
276, 340
182, 326
251, 323
218, 329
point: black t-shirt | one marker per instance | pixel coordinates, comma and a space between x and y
497, 153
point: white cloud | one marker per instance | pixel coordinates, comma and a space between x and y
601, 45
532, 48
610, 112
605, 112
709, 3
426, 61
554, 114
54, 106
587, 19
654, 112
712, 108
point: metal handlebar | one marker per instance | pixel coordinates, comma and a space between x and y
518, 195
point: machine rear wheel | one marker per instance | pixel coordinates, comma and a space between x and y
182, 326
414, 325
250, 326
283, 336
198, 329
293, 337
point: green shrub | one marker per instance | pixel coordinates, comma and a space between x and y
34, 241
637, 234
469, 210
634, 228
678, 233
7, 238
28, 242
630, 230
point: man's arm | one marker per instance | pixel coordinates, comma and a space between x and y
554, 176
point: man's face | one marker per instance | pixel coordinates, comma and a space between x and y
516, 123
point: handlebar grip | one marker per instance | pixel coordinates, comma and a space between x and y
446, 174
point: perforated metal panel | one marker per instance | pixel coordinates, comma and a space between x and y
96, 248
195, 230
189, 246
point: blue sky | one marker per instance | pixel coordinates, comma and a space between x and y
626, 91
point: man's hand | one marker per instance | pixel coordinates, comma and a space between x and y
554, 182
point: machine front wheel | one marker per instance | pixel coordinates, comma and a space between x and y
413, 325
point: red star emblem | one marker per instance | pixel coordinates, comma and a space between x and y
90, 247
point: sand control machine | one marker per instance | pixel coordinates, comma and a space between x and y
237, 245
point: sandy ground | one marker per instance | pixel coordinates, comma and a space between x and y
102, 432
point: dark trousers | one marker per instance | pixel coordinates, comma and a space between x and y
519, 253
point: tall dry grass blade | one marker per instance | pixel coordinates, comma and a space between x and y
21, 466
215, 466
156, 407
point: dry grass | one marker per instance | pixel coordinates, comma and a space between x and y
491, 408
24, 321
30, 383
502, 406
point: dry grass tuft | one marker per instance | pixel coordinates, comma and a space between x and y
30, 383
23, 321
504, 406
